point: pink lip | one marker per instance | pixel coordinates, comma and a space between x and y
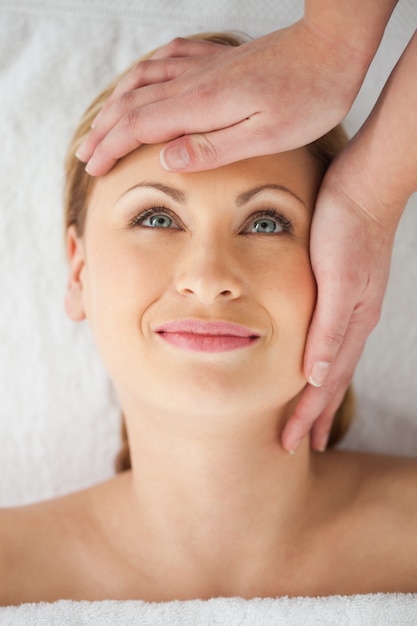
205, 336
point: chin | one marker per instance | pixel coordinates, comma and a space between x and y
217, 396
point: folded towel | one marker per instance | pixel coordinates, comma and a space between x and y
360, 610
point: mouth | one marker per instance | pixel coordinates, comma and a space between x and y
207, 336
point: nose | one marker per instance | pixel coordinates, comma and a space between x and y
208, 273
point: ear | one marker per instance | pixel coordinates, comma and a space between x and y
74, 297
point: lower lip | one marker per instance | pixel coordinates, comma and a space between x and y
207, 343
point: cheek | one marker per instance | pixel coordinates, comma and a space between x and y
302, 291
122, 281
289, 285
124, 273
291, 299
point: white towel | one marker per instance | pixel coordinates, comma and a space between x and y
366, 610
59, 419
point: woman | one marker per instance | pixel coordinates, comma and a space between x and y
199, 291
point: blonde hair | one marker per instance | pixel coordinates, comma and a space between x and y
78, 186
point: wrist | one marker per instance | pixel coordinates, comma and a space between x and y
335, 58
352, 29
358, 174
332, 64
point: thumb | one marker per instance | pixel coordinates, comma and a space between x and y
198, 152
326, 334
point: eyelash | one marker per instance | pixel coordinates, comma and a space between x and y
153, 210
158, 209
272, 214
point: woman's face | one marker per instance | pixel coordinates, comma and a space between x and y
198, 287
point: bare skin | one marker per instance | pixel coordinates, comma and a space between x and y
214, 506
356, 536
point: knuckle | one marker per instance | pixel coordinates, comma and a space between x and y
336, 386
141, 67
332, 387
129, 122
126, 101
175, 46
333, 339
202, 91
178, 41
367, 317
205, 149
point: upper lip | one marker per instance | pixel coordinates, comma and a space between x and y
206, 327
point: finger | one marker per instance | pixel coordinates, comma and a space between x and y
209, 150
322, 426
138, 125
165, 64
150, 124
314, 404
127, 97
169, 57
115, 145
182, 47
329, 324
324, 401
314, 412
153, 71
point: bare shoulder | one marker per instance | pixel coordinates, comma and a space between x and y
9, 534
63, 548
373, 517
18, 532
37, 545
387, 475
374, 480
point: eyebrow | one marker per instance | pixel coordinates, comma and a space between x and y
173, 192
244, 197
181, 196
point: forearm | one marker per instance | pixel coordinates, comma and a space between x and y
354, 25
380, 163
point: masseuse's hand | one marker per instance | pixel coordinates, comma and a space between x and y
360, 203
350, 248
263, 97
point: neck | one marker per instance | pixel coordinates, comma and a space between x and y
207, 487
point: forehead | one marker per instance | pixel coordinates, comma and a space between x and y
294, 170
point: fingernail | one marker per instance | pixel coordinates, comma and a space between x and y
294, 447
322, 446
318, 373
174, 157
79, 152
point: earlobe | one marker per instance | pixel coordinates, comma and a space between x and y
74, 297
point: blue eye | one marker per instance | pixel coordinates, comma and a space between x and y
156, 217
268, 222
158, 221
266, 225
